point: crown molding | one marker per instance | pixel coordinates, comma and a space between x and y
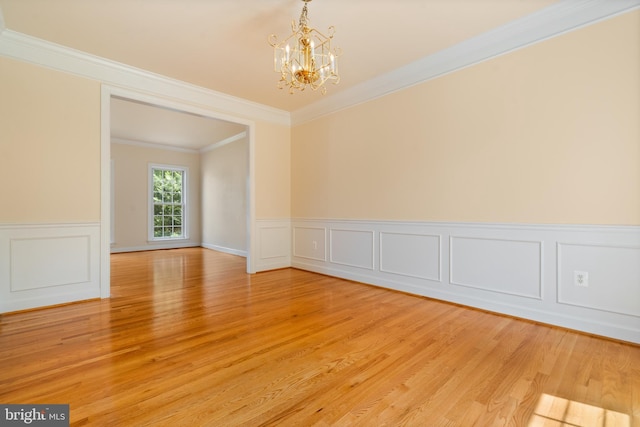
224, 142
557, 19
43, 53
143, 144
562, 17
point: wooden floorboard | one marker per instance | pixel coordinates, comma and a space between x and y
189, 339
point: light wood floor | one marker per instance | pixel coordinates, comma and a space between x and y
188, 339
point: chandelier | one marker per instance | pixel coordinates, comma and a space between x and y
305, 57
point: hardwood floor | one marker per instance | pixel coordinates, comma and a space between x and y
188, 339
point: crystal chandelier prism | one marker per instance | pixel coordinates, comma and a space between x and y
305, 58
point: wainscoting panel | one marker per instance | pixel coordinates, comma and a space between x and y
273, 243
610, 285
506, 266
522, 270
48, 264
310, 243
353, 248
411, 255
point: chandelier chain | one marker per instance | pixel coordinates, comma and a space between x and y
304, 20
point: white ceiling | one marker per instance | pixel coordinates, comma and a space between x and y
135, 122
222, 44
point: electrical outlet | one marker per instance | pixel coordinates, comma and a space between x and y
581, 278
315, 245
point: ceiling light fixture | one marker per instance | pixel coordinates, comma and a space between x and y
305, 58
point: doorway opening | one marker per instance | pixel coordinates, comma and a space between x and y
135, 126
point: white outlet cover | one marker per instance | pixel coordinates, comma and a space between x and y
581, 278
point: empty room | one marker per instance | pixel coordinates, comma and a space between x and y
319, 213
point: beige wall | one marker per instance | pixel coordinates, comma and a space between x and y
49, 145
225, 172
272, 171
131, 179
546, 134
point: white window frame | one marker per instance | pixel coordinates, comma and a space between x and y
185, 200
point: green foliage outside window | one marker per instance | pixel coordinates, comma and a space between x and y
168, 203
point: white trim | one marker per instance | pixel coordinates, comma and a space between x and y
44, 53
370, 256
112, 202
185, 196
224, 142
536, 292
297, 254
437, 278
105, 192
46, 264
272, 249
157, 245
251, 205
63, 225
538, 295
480, 225
123, 141
225, 250
560, 297
552, 21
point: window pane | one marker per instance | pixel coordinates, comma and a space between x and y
167, 196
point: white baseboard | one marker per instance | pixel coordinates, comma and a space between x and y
156, 246
225, 250
48, 264
522, 270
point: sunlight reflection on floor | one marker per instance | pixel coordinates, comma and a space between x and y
553, 411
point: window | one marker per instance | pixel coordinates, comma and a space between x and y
167, 209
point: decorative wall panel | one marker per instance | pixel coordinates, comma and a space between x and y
52, 261
412, 255
310, 243
48, 264
612, 277
352, 248
507, 266
273, 243
523, 270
